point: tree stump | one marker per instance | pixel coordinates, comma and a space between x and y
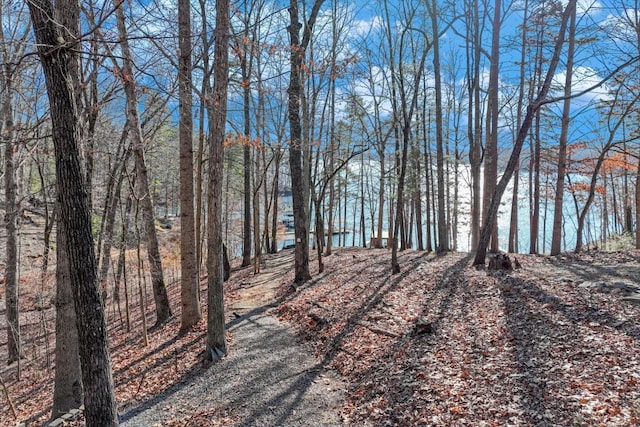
500, 261
422, 327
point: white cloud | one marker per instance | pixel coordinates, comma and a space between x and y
364, 27
584, 78
585, 6
373, 89
588, 7
621, 26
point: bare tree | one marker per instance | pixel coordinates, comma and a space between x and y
474, 28
443, 239
298, 50
244, 49
407, 91
491, 147
615, 122
190, 281
513, 225
536, 104
68, 389
53, 47
161, 299
7, 76
216, 341
556, 235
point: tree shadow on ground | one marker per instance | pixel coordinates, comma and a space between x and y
300, 386
196, 371
393, 391
373, 300
547, 337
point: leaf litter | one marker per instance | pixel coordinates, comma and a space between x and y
528, 347
441, 343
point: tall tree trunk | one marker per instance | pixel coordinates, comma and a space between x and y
298, 49
275, 199
68, 390
558, 207
319, 233
481, 250
205, 92
381, 196
363, 236
50, 218
67, 393
407, 112
246, 149
216, 341
628, 210
160, 297
117, 177
534, 163
417, 194
257, 183
246, 220
121, 268
332, 131
426, 125
474, 116
53, 50
11, 220
491, 148
513, 219
332, 148
443, 238
189, 280
535, 200
513, 227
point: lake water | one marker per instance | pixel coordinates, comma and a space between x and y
570, 219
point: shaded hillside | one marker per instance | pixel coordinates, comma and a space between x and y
442, 343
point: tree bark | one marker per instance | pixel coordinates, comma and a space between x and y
67, 392
274, 197
11, 219
474, 116
534, 230
245, 66
491, 147
481, 250
99, 399
160, 297
301, 260
111, 207
189, 280
417, 195
443, 238
216, 346
298, 49
556, 235
513, 226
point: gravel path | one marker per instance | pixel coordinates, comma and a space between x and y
268, 379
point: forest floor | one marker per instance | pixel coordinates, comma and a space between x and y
554, 342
